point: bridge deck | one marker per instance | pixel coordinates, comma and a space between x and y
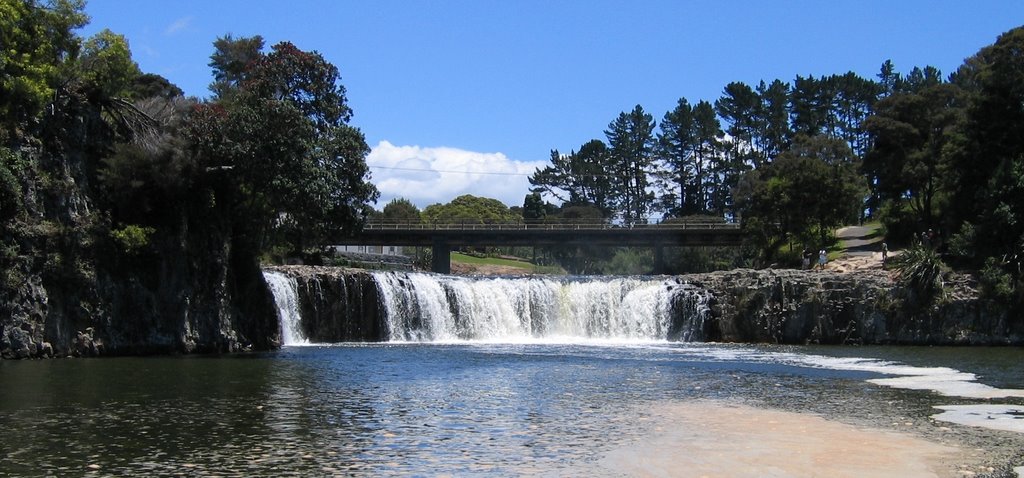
546, 234
442, 237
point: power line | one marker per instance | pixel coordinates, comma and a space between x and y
493, 173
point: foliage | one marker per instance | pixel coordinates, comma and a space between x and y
107, 66
132, 238
533, 208
579, 177
401, 210
287, 166
630, 261
230, 62
469, 209
987, 174
688, 147
804, 194
998, 284
631, 144
37, 39
150, 85
912, 132
920, 270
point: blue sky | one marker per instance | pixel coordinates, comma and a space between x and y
466, 87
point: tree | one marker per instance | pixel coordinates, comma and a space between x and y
802, 195
230, 61
889, 79
631, 140
149, 85
739, 106
676, 146
855, 98
773, 120
912, 132
579, 178
401, 210
469, 209
534, 209
709, 158
295, 171
38, 40
988, 187
810, 102
107, 66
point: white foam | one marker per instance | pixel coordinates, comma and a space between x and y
942, 380
992, 416
448, 309
286, 298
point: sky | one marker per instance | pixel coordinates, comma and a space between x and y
470, 97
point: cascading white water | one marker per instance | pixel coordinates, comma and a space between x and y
430, 308
286, 297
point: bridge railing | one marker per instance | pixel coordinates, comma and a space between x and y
542, 226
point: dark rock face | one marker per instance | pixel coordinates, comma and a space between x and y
181, 309
190, 293
67, 289
337, 305
867, 307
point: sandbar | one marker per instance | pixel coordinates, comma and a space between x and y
714, 439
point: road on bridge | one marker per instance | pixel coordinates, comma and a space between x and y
442, 237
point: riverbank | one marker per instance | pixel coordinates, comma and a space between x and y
696, 439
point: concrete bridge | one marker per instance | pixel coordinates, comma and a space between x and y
442, 237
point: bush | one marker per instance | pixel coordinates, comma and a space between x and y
132, 238
996, 283
920, 270
900, 223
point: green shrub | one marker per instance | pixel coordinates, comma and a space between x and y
132, 238
919, 270
996, 283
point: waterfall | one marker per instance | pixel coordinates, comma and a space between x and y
286, 297
422, 307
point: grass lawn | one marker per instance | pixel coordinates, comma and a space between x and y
495, 261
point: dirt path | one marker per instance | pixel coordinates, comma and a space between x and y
862, 249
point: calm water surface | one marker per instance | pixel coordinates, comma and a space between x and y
428, 409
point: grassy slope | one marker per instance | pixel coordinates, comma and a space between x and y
495, 261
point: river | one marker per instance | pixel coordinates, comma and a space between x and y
463, 409
578, 390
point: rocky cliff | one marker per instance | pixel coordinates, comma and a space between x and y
337, 304
863, 307
763, 306
65, 289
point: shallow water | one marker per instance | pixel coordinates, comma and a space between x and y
460, 409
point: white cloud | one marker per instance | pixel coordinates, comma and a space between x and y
428, 175
178, 25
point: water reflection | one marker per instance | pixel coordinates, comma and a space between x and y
392, 409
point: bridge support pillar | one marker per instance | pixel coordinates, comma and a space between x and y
659, 260
441, 257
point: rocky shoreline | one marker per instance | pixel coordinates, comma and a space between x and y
863, 306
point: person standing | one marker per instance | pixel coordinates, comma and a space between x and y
885, 253
822, 259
